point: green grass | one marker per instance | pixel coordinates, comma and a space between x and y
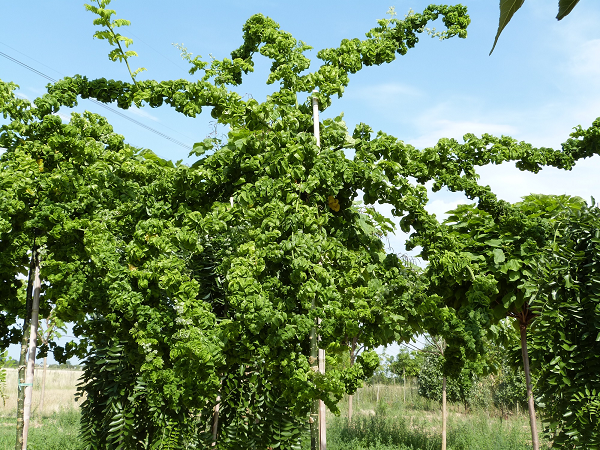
388, 424
386, 433
387, 418
56, 431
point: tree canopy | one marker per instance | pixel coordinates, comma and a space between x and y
195, 289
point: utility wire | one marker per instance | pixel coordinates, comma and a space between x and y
114, 111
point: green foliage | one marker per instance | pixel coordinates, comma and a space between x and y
205, 277
407, 363
10, 362
119, 411
209, 279
508, 8
114, 39
458, 388
567, 343
510, 389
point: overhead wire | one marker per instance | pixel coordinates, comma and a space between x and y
98, 103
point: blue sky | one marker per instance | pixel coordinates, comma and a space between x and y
542, 79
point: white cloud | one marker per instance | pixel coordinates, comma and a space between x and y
511, 184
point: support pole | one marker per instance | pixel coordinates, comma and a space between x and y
322, 427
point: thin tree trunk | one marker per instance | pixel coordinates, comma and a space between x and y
23, 356
534, 435
444, 413
215, 426
35, 310
352, 361
404, 385
21, 387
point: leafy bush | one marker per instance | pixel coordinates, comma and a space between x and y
510, 389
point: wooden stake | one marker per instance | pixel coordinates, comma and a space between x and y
322, 423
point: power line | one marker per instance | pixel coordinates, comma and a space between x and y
114, 111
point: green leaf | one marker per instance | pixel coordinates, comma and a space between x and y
498, 256
565, 7
494, 242
202, 147
508, 8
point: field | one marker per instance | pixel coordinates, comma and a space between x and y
54, 428
401, 421
385, 418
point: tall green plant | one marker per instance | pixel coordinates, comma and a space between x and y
566, 344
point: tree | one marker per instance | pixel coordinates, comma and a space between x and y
566, 344
505, 261
406, 363
207, 280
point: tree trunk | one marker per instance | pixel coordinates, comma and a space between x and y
215, 426
404, 385
23, 356
352, 361
21, 387
35, 310
444, 413
530, 405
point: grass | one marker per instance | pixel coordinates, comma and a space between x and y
55, 431
57, 427
400, 420
59, 395
385, 418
